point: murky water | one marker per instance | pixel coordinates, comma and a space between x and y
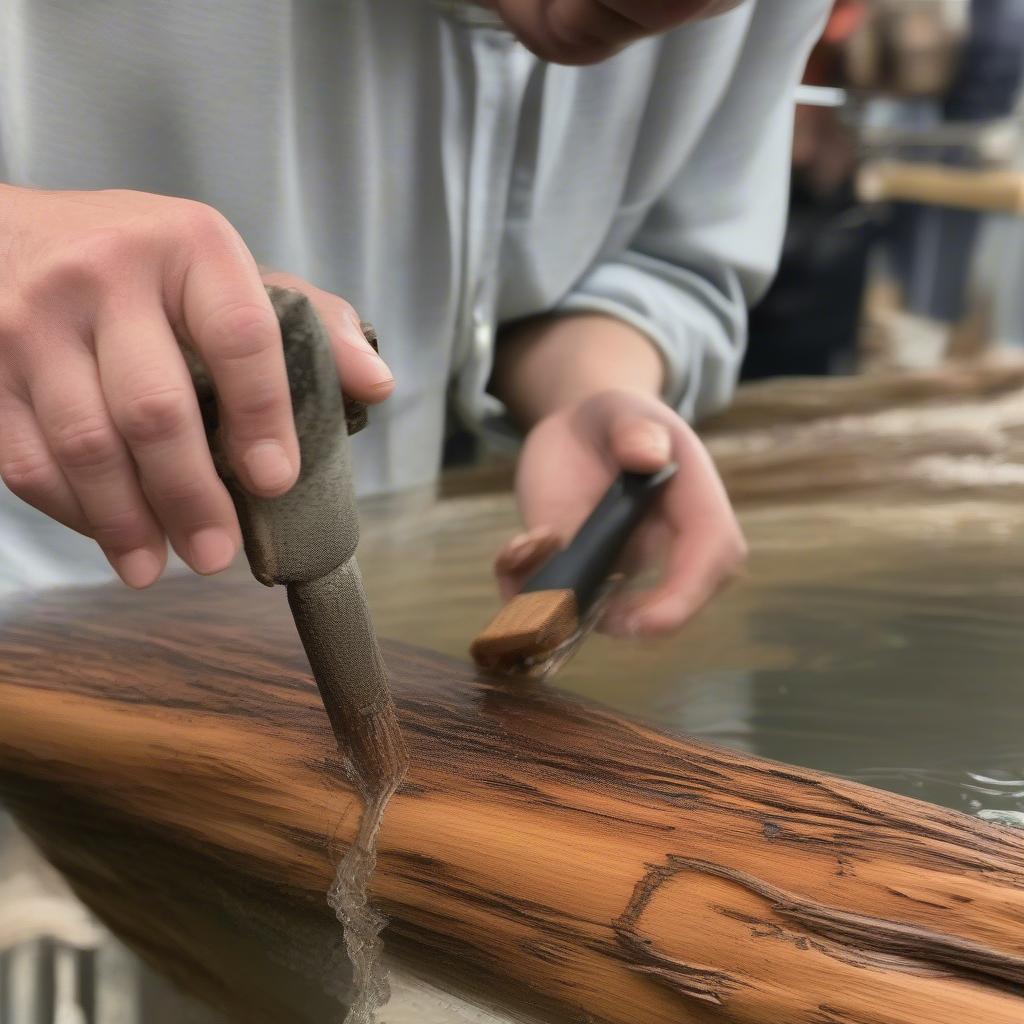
349, 898
881, 642
908, 677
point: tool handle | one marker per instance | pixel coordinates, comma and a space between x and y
589, 559
968, 188
312, 529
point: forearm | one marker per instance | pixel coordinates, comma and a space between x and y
548, 363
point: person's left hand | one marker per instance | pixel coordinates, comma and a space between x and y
567, 463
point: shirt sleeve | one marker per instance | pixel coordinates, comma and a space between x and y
709, 244
709, 247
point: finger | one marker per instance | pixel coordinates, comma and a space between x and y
640, 444
659, 15
79, 431
232, 324
650, 543
706, 550
694, 574
591, 23
29, 469
522, 556
153, 404
568, 31
364, 375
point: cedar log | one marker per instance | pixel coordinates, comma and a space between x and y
170, 754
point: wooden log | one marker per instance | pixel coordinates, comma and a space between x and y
170, 754
957, 429
783, 401
911, 435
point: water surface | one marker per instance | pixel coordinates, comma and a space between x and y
883, 642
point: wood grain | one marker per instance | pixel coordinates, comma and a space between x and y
170, 753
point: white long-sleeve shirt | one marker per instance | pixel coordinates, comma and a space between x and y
429, 169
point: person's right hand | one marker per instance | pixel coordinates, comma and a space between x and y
99, 422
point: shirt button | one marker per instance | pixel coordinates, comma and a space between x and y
482, 332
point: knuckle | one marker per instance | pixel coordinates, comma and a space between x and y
154, 415
566, 28
336, 310
344, 308
86, 443
241, 331
28, 475
733, 554
184, 492
259, 408
122, 530
199, 223
86, 262
615, 395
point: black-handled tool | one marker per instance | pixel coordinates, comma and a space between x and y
551, 613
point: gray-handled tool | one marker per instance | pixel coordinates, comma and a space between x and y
306, 539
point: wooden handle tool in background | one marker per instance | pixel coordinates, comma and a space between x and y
984, 190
